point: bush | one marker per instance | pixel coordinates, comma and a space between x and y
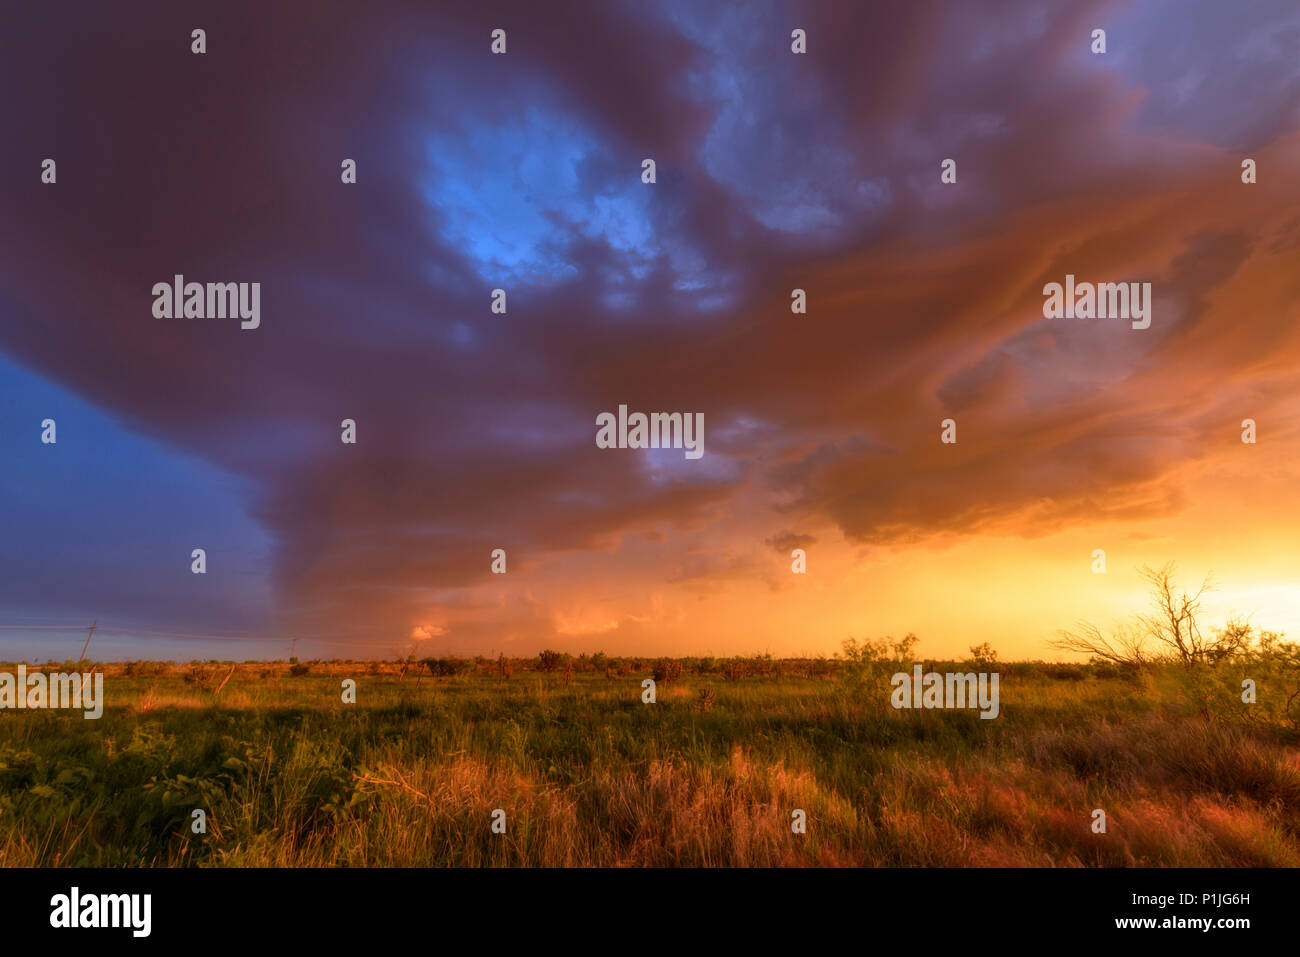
447, 667
299, 670
1065, 672
667, 669
865, 662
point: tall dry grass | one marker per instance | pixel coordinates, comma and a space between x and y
588, 775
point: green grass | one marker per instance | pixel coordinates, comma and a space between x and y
587, 774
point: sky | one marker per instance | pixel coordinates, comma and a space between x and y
476, 430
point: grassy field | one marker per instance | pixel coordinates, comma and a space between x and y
409, 775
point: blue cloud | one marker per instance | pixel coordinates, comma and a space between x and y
515, 197
107, 518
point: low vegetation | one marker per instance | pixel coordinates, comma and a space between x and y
288, 775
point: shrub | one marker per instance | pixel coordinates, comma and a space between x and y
447, 667
667, 669
865, 662
1065, 672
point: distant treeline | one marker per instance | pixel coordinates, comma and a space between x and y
558, 663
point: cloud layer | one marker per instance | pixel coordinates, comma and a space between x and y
522, 172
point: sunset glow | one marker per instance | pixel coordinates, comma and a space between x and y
478, 430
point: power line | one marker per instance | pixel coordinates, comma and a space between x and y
121, 630
177, 634
45, 627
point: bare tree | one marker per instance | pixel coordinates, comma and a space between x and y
1125, 646
1235, 638
1173, 622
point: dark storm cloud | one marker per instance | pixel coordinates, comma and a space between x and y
774, 172
788, 540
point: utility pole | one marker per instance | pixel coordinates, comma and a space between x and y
87, 644
292, 647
